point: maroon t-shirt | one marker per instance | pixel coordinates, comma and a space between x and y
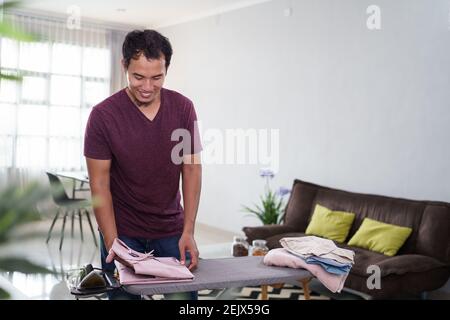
144, 180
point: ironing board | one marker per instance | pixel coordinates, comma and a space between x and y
230, 273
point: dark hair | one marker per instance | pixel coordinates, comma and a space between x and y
149, 42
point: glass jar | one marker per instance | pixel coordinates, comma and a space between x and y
259, 248
239, 247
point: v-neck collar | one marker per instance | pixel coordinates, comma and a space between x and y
131, 103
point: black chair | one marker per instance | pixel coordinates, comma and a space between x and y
68, 207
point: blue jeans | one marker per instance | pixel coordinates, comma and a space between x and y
164, 247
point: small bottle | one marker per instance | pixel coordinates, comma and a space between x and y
240, 247
259, 248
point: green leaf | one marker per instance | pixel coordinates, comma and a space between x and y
271, 209
251, 210
4, 294
6, 221
260, 210
10, 77
22, 265
8, 31
9, 4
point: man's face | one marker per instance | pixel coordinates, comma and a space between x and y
146, 78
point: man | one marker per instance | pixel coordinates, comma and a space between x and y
133, 169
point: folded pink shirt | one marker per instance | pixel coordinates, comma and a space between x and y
146, 268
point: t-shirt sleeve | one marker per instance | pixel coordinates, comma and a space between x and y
192, 127
96, 144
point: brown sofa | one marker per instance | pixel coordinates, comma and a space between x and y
421, 265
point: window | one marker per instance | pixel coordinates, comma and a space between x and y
43, 118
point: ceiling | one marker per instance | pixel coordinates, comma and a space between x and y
146, 13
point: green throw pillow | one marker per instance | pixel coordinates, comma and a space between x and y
380, 237
334, 225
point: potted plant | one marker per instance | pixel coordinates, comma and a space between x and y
272, 206
18, 207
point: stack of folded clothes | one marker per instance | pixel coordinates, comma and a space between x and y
328, 263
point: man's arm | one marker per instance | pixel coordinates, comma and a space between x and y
101, 195
192, 181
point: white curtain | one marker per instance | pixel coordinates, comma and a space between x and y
65, 73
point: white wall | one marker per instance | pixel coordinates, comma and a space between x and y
361, 110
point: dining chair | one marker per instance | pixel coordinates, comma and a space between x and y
68, 207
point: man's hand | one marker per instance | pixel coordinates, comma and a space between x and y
187, 243
113, 256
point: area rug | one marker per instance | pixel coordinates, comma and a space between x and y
288, 292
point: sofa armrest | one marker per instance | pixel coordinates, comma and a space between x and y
266, 231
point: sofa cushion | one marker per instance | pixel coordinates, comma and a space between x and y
299, 206
402, 276
409, 263
333, 225
397, 265
380, 237
408, 285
